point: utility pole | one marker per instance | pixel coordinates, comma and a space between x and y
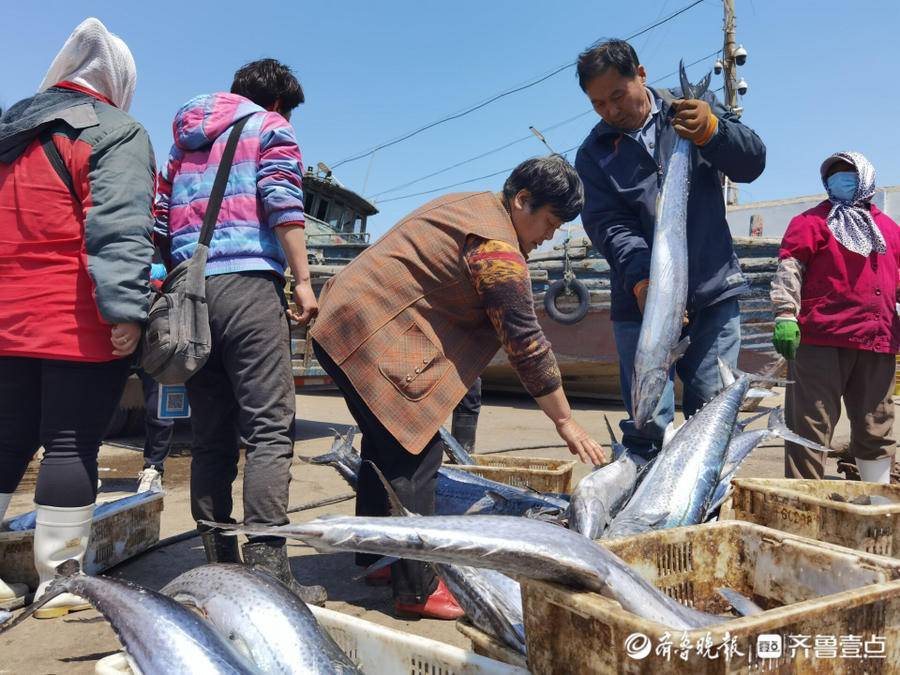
728, 65
729, 68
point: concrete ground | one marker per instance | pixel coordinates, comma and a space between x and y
74, 643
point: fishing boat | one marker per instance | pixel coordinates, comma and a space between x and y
576, 316
335, 234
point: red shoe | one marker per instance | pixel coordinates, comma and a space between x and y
380, 577
440, 605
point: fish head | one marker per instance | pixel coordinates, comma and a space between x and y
646, 390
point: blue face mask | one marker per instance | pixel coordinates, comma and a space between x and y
842, 185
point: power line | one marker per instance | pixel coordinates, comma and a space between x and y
507, 145
502, 94
556, 125
464, 182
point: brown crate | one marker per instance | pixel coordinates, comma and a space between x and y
538, 473
115, 537
802, 507
485, 645
807, 588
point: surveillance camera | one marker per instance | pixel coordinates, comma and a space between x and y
717, 68
740, 55
742, 87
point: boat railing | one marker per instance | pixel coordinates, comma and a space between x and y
336, 238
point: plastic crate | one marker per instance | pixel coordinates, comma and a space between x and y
807, 589
802, 507
115, 537
487, 645
538, 473
379, 650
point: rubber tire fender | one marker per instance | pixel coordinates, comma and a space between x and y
567, 318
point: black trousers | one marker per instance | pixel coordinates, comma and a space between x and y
470, 405
413, 477
244, 395
64, 406
157, 432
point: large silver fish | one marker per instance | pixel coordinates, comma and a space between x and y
491, 600
265, 620
659, 344
159, 635
600, 495
679, 485
457, 492
515, 546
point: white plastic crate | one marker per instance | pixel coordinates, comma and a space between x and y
379, 650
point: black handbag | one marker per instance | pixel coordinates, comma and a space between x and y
177, 339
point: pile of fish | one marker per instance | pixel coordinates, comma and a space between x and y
253, 623
684, 485
687, 481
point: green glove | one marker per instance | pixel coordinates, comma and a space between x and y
786, 338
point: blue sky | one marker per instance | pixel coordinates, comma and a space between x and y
822, 76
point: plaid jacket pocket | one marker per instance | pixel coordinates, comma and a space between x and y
413, 364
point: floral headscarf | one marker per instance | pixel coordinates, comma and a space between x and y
851, 221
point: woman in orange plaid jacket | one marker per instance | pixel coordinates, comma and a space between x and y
407, 327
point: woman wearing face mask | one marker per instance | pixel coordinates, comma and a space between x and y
835, 295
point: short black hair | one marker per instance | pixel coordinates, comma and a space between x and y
600, 56
550, 180
266, 81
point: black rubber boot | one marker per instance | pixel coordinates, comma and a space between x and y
463, 429
273, 558
220, 548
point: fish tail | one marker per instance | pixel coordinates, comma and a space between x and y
777, 427
397, 508
341, 447
689, 90
765, 376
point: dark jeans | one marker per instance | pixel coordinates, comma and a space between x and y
464, 423
157, 432
413, 477
64, 406
715, 332
470, 405
244, 394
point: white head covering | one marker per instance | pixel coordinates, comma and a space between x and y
95, 58
851, 222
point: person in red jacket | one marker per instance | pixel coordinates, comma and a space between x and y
76, 190
835, 295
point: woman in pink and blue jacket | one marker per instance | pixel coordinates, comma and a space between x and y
245, 392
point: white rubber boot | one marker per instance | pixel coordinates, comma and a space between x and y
875, 470
61, 534
9, 592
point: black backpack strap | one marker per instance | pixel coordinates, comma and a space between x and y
56, 161
221, 181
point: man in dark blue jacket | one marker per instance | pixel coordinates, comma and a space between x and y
622, 164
